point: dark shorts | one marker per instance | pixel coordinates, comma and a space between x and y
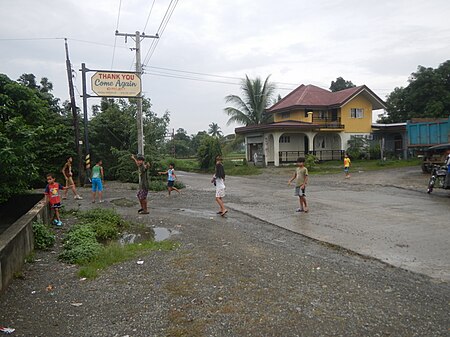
299, 192
170, 183
142, 194
346, 169
54, 206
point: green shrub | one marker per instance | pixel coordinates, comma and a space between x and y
207, 152
44, 238
79, 235
80, 245
105, 223
311, 161
83, 253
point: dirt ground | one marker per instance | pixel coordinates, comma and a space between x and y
233, 276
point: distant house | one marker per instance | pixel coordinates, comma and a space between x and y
312, 120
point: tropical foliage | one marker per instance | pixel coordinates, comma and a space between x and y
34, 135
341, 84
426, 96
250, 109
113, 136
214, 130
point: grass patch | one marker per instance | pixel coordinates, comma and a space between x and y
335, 166
243, 170
116, 253
83, 243
187, 164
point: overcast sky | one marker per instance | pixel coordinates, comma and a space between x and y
376, 43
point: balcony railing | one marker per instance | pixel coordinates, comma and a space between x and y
328, 123
291, 156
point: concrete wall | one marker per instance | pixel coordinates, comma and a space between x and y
17, 242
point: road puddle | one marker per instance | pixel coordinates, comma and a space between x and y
138, 235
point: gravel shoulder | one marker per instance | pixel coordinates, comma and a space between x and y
233, 276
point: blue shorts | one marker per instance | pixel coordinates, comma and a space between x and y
97, 185
170, 183
346, 169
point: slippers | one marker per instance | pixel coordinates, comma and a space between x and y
219, 212
225, 212
145, 212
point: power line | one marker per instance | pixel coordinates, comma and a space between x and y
192, 78
115, 36
148, 17
212, 75
161, 29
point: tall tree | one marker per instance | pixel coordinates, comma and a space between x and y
214, 130
341, 84
426, 96
33, 138
251, 108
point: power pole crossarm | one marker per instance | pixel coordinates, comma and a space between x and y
140, 125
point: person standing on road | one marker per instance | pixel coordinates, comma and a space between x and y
97, 181
347, 163
52, 196
67, 172
219, 182
301, 179
171, 177
144, 185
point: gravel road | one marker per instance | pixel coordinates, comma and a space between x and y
233, 276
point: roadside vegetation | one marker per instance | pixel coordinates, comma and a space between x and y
335, 166
44, 238
92, 242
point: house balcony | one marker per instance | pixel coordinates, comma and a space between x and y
328, 123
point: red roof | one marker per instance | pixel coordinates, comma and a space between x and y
310, 96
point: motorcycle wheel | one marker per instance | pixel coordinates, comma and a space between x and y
431, 185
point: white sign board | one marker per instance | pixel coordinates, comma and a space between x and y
118, 84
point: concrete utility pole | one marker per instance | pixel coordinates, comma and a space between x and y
74, 115
137, 37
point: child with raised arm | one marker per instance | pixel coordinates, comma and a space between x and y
143, 182
301, 179
171, 177
53, 197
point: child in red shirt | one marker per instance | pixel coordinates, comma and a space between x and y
52, 196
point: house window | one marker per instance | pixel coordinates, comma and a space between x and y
322, 114
356, 113
306, 112
285, 139
285, 115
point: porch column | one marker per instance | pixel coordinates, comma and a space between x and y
276, 148
266, 149
246, 148
311, 136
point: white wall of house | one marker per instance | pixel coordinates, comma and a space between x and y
292, 142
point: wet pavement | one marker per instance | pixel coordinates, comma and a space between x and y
385, 214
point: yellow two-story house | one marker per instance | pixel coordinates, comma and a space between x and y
312, 120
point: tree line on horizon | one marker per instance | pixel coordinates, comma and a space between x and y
36, 129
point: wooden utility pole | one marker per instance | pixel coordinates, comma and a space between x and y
138, 37
73, 107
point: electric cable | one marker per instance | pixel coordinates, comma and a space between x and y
115, 36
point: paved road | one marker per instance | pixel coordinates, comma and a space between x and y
385, 214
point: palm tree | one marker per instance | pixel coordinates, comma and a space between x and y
251, 108
214, 130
